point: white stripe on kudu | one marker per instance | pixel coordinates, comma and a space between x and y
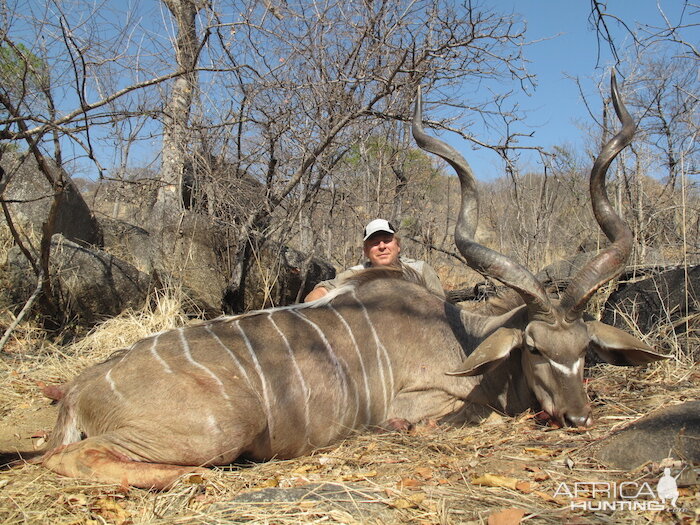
155, 353
368, 394
339, 367
235, 359
302, 382
188, 355
263, 380
112, 384
570, 371
381, 349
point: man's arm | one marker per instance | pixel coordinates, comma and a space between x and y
316, 293
432, 281
324, 287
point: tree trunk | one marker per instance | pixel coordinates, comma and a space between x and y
177, 108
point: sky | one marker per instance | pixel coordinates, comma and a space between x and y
566, 46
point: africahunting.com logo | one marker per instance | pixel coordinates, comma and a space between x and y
625, 495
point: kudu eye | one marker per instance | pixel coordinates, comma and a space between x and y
533, 350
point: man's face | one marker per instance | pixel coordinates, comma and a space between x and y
382, 249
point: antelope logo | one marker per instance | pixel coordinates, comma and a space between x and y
281, 382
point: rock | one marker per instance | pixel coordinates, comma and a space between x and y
658, 299
33, 196
90, 285
188, 253
193, 251
276, 275
128, 242
668, 432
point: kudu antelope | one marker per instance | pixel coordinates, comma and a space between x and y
284, 381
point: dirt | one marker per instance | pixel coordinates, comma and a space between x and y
24, 429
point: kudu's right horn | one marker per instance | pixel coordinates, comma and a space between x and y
610, 262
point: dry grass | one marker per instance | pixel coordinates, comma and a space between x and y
432, 475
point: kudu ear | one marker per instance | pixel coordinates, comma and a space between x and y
617, 347
492, 350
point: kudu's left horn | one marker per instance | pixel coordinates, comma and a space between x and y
482, 259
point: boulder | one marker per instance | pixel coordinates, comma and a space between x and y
29, 197
89, 284
670, 432
190, 253
661, 298
201, 256
128, 242
275, 275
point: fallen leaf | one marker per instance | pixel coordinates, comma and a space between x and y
424, 472
506, 517
402, 503
410, 483
194, 479
410, 502
303, 469
524, 487
271, 482
110, 510
538, 451
536, 473
360, 476
74, 500
493, 480
548, 497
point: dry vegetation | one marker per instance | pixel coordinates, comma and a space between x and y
434, 474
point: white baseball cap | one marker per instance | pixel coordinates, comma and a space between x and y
377, 225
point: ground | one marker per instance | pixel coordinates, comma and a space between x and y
502, 471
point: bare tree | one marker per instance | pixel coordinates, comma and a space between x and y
660, 65
264, 100
309, 85
177, 107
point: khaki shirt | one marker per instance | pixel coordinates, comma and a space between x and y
432, 281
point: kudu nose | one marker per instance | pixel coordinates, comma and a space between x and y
578, 420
